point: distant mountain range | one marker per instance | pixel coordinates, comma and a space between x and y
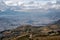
57, 22
11, 19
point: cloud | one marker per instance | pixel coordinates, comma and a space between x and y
36, 12
10, 3
3, 7
32, 5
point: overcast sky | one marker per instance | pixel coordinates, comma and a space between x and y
28, 5
46, 7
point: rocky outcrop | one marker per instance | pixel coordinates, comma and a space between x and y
50, 30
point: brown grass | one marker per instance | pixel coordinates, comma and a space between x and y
47, 38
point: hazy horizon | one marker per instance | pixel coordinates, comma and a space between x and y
14, 13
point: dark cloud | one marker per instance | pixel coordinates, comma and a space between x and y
58, 2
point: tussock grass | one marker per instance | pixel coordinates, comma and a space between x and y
47, 38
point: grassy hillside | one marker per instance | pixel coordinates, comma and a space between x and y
29, 32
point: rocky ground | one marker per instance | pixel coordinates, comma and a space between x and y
29, 32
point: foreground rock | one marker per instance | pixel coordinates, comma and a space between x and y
27, 30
